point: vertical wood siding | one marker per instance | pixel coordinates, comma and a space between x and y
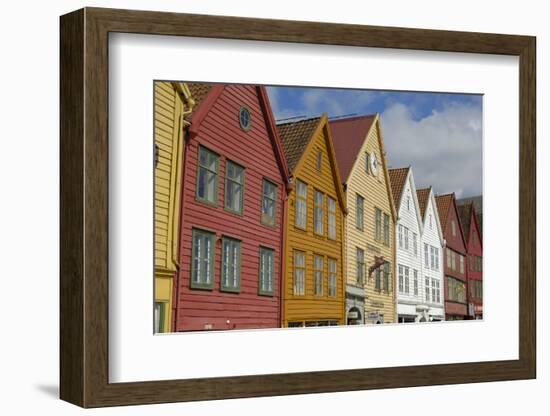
310, 307
220, 132
375, 192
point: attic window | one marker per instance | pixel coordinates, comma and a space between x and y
408, 203
245, 119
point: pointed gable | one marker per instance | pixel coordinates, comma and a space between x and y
465, 214
398, 178
423, 196
295, 137
443, 205
349, 135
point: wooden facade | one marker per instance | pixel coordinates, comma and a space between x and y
370, 224
456, 297
474, 250
231, 247
171, 101
313, 284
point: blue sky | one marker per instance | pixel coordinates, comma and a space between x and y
438, 134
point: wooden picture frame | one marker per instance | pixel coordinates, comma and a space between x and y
84, 207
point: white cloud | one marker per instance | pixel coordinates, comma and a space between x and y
444, 148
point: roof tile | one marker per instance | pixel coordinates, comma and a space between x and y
295, 137
397, 180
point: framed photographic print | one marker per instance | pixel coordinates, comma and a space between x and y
255, 207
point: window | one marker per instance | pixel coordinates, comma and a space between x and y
407, 280
367, 161
318, 213
415, 244
400, 233
461, 264
386, 229
427, 288
378, 279
269, 202
457, 290
438, 291
426, 255
360, 258
386, 270
449, 262
359, 211
202, 269
406, 232
479, 263
207, 178
332, 277
331, 218
234, 184
319, 268
245, 120
159, 317
432, 257
408, 203
434, 290
415, 282
453, 228
401, 279
378, 222
231, 265
470, 261
478, 289
430, 220
436, 252
453, 260
301, 204
319, 160
265, 286
299, 272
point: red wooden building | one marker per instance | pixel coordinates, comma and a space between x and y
456, 296
235, 182
474, 250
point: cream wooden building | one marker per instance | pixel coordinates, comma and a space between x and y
370, 223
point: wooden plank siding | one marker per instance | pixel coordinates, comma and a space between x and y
377, 194
220, 132
310, 307
456, 245
168, 134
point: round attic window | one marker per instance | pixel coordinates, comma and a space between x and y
245, 119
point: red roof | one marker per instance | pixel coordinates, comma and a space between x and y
397, 181
443, 205
348, 135
423, 195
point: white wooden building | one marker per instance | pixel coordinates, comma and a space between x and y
433, 244
419, 250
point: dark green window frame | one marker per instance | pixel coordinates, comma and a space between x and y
233, 183
269, 199
387, 230
162, 316
378, 224
204, 281
359, 212
234, 265
266, 277
206, 168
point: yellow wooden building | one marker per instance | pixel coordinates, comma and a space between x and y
370, 224
172, 101
313, 285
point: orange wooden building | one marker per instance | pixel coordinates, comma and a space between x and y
313, 287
